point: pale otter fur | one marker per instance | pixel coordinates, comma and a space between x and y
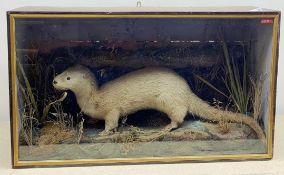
149, 88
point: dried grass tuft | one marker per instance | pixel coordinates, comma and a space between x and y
223, 125
129, 136
256, 96
80, 130
28, 128
128, 139
55, 133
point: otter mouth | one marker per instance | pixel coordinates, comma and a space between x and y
57, 85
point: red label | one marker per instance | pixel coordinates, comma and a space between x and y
266, 21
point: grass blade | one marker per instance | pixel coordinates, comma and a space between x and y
29, 90
210, 85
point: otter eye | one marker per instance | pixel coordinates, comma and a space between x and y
68, 78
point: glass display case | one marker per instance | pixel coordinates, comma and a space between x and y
141, 85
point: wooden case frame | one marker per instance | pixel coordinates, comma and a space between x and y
13, 15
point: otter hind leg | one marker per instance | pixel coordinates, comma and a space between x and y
177, 116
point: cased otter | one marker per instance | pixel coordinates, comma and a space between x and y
148, 88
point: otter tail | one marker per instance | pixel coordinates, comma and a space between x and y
200, 108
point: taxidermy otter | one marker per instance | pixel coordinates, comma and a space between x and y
148, 88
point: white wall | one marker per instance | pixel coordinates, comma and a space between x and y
6, 5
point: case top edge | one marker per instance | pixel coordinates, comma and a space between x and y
224, 9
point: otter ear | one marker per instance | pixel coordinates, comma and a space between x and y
86, 75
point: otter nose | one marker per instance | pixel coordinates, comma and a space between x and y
54, 82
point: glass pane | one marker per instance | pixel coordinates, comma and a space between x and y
142, 87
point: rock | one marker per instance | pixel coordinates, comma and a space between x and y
190, 130
235, 131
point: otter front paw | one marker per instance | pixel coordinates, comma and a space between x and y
105, 133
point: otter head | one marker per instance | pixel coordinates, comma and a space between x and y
73, 78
